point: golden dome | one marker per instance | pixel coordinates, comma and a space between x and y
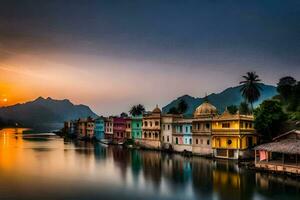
156, 110
205, 109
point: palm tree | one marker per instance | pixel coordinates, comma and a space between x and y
250, 88
137, 110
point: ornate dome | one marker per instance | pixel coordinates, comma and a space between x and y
156, 110
205, 109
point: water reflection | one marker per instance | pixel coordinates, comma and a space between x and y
61, 169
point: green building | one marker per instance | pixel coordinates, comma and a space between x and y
136, 127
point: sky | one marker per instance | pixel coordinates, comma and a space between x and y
113, 54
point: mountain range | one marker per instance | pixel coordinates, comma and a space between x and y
44, 114
230, 96
49, 114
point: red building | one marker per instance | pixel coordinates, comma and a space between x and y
119, 129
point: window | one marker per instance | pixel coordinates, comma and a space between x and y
208, 142
137, 125
180, 129
145, 135
186, 129
149, 134
207, 125
163, 138
196, 141
185, 140
190, 140
156, 135
156, 123
167, 138
250, 125
164, 127
229, 142
176, 140
146, 123
150, 123
226, 125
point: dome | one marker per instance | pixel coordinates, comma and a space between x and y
205, 109
156, 110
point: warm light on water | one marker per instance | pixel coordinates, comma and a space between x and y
56, 169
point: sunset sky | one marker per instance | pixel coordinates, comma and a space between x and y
113, 54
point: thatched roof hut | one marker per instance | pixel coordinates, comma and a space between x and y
287, 143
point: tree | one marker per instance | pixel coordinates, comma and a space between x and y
182, 107
244, 108
123, 114
232, 109
250, 88
285, 87
173, 111
269, 118
137, 110
294, 100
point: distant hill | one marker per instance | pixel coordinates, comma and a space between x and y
44, 114
230, 96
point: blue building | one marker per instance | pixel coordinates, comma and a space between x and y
99, 128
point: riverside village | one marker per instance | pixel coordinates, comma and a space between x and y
236, 133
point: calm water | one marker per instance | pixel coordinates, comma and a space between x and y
55, 169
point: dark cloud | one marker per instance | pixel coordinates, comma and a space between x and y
183, 32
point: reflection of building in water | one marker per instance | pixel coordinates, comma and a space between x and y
266, 182
229, 183
136, 163
121, 159
202, 177
100, 151
152, 168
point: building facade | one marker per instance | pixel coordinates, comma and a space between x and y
182, 135
136, 127
99, 128
119, 129
128, 128
109, 134
202, 129
90, 127
167, 121
151, 129
233, 135
82, 124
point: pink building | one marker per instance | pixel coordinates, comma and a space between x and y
119, 129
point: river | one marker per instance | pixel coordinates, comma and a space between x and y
51, 168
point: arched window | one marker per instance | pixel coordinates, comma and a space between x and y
176, 140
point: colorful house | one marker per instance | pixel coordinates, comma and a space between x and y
167, 121
82, 124
90, 126
151, 129
109, 134
202, 128
119, 129
182, 135
233, 135
136, 127
128, 128
99, 128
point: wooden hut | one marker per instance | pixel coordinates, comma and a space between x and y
282, 154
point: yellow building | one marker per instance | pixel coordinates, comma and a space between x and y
233, 135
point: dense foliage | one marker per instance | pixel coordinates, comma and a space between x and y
232, 109
269, 117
